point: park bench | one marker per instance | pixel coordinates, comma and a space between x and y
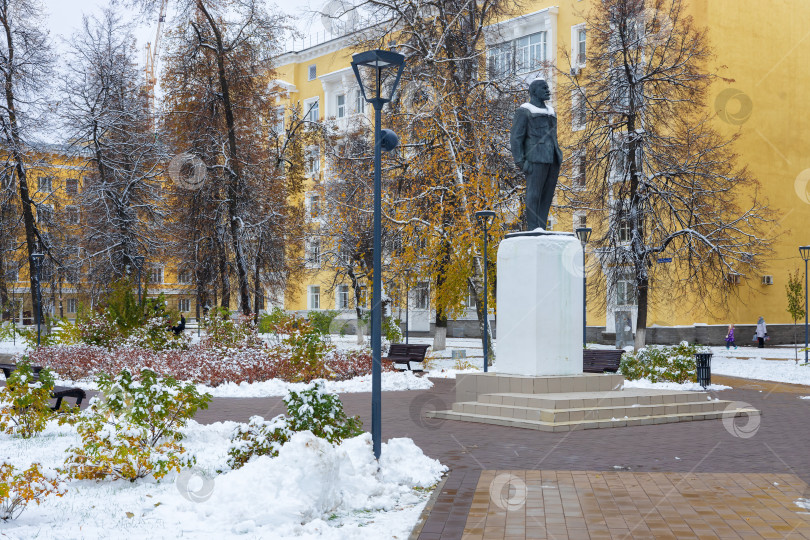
58, 393
401, 355
601, 360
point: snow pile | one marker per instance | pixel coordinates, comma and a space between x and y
686, 387
805, 397
803, 503
786, 371
312, 489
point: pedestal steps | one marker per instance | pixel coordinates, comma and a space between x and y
568, 410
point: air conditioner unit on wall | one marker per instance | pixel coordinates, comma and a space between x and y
767, 280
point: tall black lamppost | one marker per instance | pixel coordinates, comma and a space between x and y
139, 265
805, 253
375, 64
484, 216
407, 308
37, 258
584, 234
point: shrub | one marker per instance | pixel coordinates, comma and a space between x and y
391, 330
269, 321
321, 321
25, 401
310, 409
305, 350
258, 437
17, 490
134, 430
224, 331
662, 364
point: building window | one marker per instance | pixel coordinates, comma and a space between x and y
314, 205
472, 301
342, 298
312, 72
499, 60
313, 161
341, 105
580, 221
44, 213
530, 52
156, 274
184, 305
72, 215
184, 276
12, 273
359, 103
72, 186
45, 184
421, 295
278, 128
734, 279
580, 168
581, 45
314, 297
625, 291
312, 110
625, 234
71, 305
313, 253
580, 111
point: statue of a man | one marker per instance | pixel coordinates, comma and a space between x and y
536, 152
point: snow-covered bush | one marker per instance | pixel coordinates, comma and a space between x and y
134, 429
311, 409
18, 489
662, 364
25, 401
224, 331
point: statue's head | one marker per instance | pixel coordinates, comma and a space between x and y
539, 89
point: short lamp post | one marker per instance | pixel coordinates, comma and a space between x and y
407, 308
376, 65
805, 253
484, 217
38, 258
139, 265
584, 234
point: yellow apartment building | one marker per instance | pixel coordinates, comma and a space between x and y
759, 53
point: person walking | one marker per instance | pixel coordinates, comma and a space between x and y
730, 337
762, 332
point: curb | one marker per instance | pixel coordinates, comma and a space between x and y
423, 517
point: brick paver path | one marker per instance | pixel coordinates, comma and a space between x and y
780, 444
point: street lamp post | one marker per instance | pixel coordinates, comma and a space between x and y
584, 234
139, 265
37, 258
407, 308
805, 253
375, 63
483, 217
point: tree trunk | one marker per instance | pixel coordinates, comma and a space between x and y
641, 319
224, 278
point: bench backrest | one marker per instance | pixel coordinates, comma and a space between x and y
418, 351
398, 349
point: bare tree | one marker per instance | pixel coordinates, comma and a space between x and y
106, 114
25, 66
657, 172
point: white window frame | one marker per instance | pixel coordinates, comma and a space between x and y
313, 297
340, 108
313, 253
359, 102
578, 110
313, 205
421, 295
161, 274
625, 285
342, 297
184, 303
576, 43
531, 51
74, 218
500, 59
71, 306
42, 215
471, 301
313, 160
45, 184
312, 109
180, 280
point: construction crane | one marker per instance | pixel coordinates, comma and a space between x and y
152, 58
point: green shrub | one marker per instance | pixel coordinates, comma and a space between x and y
662, 364
391, 330
311, 409
134, 430
321, 321
226, 331
305, 348
270, 321
25, 401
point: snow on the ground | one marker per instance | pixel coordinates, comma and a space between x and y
311, 490
769, 364
685, 387
803, 503
805, 397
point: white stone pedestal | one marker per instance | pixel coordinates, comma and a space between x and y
540, 305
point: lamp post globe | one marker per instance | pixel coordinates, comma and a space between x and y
584, 234
376, 66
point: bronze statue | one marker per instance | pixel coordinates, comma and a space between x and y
536, 152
